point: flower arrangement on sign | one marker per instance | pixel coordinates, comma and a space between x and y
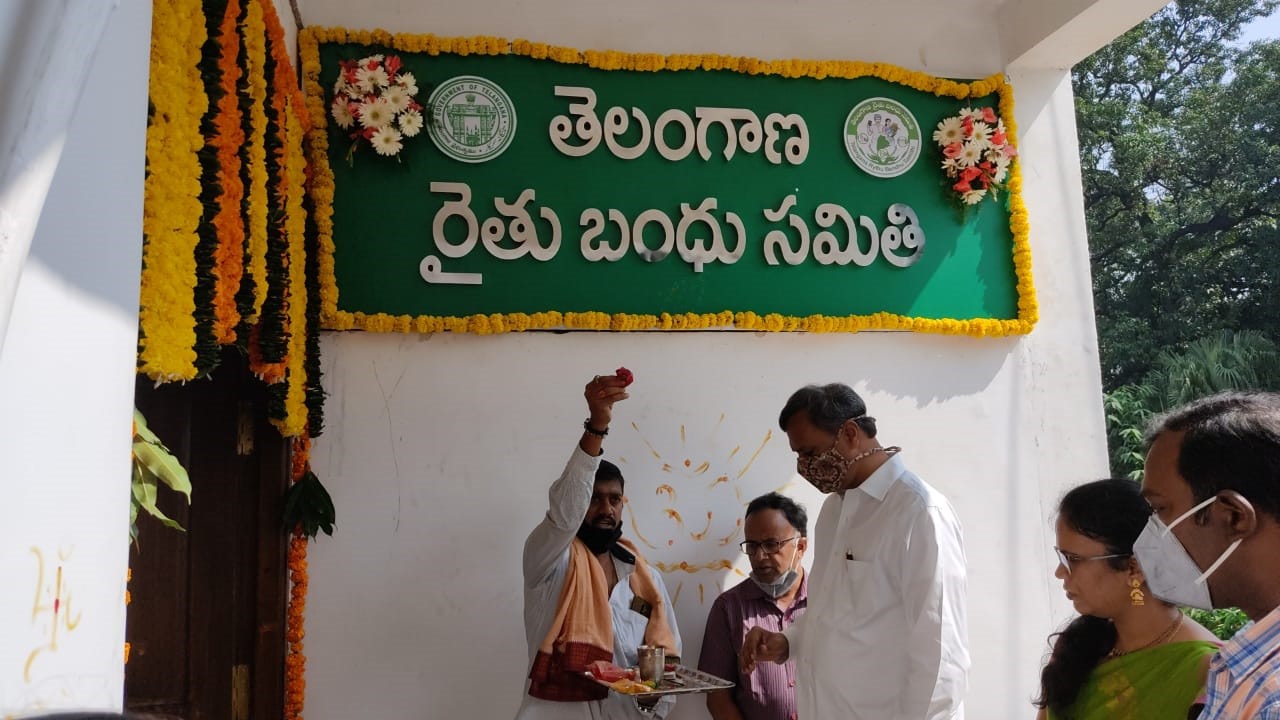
976, 153
374, 100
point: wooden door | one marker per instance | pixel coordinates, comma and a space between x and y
206, 620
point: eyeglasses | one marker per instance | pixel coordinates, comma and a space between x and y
769, 546
1068, 559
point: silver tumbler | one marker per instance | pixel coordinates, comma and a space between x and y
652, 659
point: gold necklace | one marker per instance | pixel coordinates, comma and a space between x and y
1168, 633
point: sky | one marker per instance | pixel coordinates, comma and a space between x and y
1267, 28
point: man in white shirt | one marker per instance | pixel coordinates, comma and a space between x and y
884, 637
585, 510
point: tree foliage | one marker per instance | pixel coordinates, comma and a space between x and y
1245, 360
1179, 134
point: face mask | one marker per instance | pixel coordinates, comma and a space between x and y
826, 471
599, 540
1171, 573
779, 587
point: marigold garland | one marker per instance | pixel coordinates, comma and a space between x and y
128, 598
294, 419
255, 43
315, 391
269, 344
322, 191
295, 662
171, 191
208, 354
246, 94
227, 140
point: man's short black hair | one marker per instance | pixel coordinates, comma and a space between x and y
793, 510
828, 407
1231, 441
608, 471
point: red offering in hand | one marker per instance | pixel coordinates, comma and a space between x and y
625, 376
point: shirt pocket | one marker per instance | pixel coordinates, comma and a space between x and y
856, 594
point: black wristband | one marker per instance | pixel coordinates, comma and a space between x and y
586, 425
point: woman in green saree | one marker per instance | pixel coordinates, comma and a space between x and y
1129, 655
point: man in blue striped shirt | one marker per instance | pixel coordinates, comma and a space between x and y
1213, 480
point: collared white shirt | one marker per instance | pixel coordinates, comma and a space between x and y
546, 563
885, 634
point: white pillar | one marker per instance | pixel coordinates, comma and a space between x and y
67, 366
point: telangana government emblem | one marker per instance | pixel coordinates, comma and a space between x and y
472, 119
882, 137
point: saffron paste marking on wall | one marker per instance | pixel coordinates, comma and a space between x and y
52, 604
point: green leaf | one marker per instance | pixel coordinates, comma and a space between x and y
163, 466
144, 493
308, 506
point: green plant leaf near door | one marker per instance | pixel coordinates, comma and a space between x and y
153, 465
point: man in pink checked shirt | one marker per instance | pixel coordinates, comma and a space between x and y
773, 597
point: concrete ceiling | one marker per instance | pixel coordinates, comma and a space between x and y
950, 37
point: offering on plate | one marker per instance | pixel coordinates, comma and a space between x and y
608, 672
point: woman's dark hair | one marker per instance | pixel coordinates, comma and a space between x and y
1113, 512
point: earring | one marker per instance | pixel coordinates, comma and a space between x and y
1135, 595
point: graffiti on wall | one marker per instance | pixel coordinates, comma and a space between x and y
52, 611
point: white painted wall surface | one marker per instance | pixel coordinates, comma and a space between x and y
66, 397
921, 34
439, 450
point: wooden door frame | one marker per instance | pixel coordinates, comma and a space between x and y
243, 672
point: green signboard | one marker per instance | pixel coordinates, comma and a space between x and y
475, 178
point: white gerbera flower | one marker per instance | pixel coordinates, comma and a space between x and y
981, 134
376, 113
1001, 160
342, 113
973, 197
370, 80
970, 154
375, 56
949, 131
951, 166
398, 98
971, 113
1000, 175
386, 141
411, 123
407, 81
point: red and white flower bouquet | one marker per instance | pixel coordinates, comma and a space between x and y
976, 153
374, 100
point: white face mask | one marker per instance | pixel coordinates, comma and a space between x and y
779, 587
1171, 573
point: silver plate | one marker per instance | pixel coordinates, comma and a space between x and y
681, 681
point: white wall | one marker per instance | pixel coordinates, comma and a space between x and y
960, 41
66, 395
439, 449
